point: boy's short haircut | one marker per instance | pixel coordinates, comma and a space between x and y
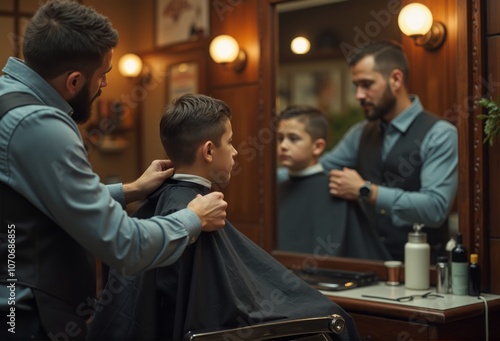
315, 121
189, 121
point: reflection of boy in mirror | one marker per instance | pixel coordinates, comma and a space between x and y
401, 162
308, 215
239, 276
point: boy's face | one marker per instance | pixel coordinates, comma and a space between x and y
223, 156
296, 149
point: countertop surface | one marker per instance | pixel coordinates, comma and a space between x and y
382, 290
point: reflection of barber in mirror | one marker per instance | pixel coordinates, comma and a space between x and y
401, 162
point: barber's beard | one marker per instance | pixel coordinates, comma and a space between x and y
82, 104
385, 105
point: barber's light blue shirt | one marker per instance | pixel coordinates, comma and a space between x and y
43, 158
439, 172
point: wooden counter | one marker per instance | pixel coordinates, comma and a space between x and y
449, 317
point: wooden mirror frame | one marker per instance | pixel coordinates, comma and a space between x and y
467, 84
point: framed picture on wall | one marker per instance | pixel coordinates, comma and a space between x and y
183, 79
178, 21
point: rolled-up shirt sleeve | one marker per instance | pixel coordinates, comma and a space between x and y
116, 192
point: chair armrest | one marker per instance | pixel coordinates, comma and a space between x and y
326, 325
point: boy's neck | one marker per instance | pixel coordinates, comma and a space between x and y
192, 178
317, 168
193, 171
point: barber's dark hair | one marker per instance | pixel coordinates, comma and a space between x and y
65, 35
315, 121
191, 120
388, 55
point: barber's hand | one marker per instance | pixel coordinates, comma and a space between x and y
151, 179
345, 183
211, 209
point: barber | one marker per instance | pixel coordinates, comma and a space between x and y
54, 210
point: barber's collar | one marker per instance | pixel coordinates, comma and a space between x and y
193, 178
405, 118
17, 69
317, 168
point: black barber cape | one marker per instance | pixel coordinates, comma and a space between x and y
223, 280
311, 220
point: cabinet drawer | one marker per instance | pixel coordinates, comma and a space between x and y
377, 328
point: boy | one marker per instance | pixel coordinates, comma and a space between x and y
223, 279
310, 219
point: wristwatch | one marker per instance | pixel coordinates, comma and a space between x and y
365, 191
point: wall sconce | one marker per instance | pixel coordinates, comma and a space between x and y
415, 20
130, 65
225, 50
300, 45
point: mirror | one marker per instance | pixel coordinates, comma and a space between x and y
321, 77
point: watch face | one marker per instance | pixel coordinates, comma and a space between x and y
364, 191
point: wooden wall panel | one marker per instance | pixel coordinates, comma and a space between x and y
247, 140
493, 90
494, 265
492, 22
433, 74
240, 20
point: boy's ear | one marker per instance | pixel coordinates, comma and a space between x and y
207, 151
319, 147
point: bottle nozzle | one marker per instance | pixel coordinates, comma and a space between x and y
417, 227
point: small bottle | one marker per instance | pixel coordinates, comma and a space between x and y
443, 275
459, 268
474, 276
417, 259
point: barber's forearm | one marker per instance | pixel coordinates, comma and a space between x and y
125, 193
134, 245
132, 193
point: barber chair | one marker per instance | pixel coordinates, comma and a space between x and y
313, 328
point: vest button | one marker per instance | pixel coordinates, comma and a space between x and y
382, 211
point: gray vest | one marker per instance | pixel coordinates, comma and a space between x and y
48, 260
401, 169
46, 257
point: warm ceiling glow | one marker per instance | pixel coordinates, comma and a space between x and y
300, 45
415, 19
224, 49
130, 65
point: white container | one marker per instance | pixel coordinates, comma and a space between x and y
417, 260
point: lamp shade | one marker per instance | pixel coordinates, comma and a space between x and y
224, 49
300, 45
415, 19
130, 65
